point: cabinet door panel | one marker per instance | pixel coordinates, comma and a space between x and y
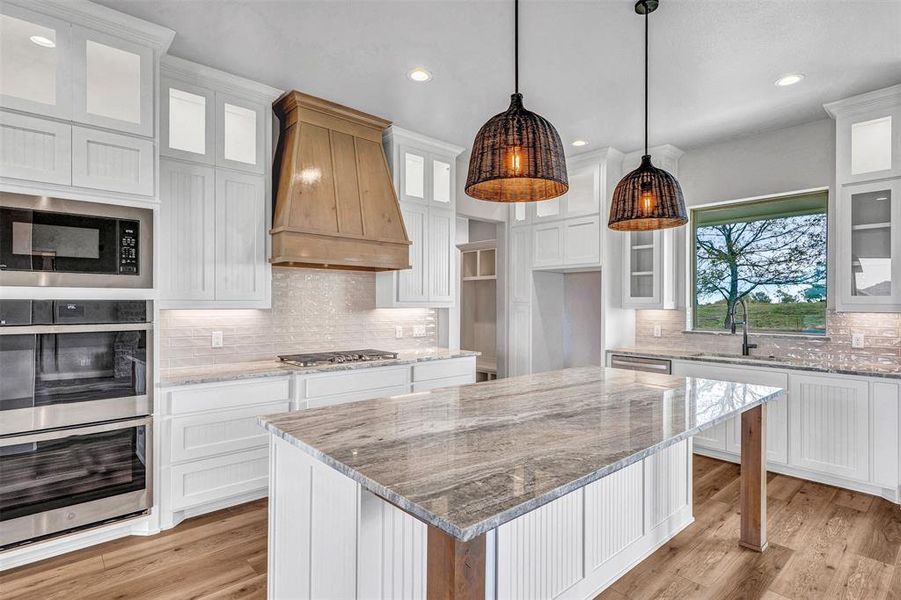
583, 197
35, 149
441, 256
521, 265
582, 242
188, 220
240, 134
187, 121
830, 420
113, 162
415, 176
520, 339
35, 63
547, 245
412, 284
886, 431
240, 236
113, 82
218, 478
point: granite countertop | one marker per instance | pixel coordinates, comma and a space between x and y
270, 368
779, 362
467, 459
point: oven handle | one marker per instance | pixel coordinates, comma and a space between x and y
39, 329
70, 431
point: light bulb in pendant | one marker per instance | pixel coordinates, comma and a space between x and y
516, 160
647, 202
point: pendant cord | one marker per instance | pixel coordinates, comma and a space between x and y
516, 44
646, 12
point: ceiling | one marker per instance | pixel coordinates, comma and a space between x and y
713, 62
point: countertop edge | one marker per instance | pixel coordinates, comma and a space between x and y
758, 363
508, 515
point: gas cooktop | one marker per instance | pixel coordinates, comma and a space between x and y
333, 358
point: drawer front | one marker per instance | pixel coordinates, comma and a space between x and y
235, 394
210, 434
219, 478
367, 379
440, 369
358, 395
112, 162
434, 384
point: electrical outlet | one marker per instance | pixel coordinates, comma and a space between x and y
857, 340
419, 331
658, 331
398, 332
216, 339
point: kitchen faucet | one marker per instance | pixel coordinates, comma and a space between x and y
745, 346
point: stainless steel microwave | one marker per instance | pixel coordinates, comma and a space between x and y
52, 242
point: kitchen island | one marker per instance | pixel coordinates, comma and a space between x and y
547, 485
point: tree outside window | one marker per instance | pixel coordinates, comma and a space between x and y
769, 253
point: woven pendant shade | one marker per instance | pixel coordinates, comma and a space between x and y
517, 156
647, 198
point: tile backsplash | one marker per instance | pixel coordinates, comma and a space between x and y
312, 310
882, 338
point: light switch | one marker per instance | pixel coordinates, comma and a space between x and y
419, 331
216, 340
857, 339
398, 332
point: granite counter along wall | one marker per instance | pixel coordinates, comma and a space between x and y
882, 338
312, 310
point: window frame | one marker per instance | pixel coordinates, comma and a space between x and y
692, 259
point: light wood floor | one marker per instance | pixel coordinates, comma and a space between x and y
824, 543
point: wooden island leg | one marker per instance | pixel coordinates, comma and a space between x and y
456, 570
753, 479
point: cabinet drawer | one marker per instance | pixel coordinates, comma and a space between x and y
229, 395
440, 369
35, 149
367, 379
219, 478
434, 384
209, 434
358, 395
112, 162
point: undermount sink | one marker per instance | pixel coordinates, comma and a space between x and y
735, 356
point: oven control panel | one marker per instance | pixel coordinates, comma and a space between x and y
128, 247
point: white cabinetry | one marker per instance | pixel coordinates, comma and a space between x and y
424, 172
214, 186
74, 68
868, 184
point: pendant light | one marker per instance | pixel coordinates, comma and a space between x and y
648, 198
517, 155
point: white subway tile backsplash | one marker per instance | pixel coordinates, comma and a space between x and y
312, 310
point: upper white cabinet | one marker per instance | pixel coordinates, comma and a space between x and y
112, 82
35, 62
214, 188
86, 75
649, 274
868, 200
424, 172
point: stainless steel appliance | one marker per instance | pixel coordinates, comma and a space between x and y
68, 362
68, 243
75, 400
331, 358
639, 363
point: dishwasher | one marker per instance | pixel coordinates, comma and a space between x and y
640, 363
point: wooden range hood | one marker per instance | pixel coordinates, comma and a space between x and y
335, 205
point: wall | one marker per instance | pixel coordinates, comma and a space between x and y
769, 163
312, 310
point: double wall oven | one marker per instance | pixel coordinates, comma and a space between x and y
75, 406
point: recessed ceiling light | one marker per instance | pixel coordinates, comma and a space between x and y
43, 41
419, 74
789, 79
579, 143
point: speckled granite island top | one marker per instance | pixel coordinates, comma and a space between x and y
467, 459
273, 368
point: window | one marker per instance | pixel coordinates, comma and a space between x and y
771, 254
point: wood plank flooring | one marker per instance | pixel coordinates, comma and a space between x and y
824, 543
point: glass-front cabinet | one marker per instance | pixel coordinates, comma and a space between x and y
870, 269
426, 177
648, 277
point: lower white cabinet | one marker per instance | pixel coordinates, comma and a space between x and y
213, 237
830, 429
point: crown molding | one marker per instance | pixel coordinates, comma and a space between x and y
95, 16
877, 99
396, 134
204, 76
